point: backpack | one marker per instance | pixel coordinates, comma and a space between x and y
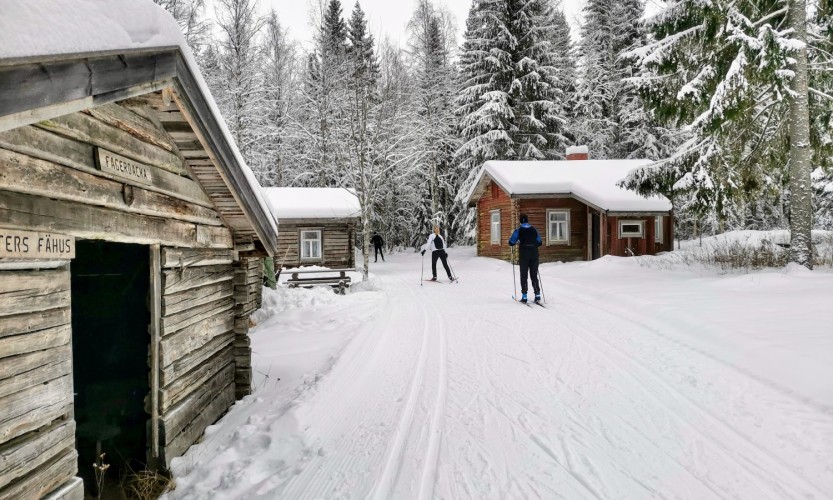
438, 242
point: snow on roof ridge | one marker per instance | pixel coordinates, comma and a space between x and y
312, 202
573, 150
35, 28
594, 181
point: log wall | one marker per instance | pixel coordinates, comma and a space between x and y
625, 247
196, 353
248, 297
495, 198
37, 433
338, 237
576, 249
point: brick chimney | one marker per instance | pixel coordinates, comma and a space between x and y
578, 153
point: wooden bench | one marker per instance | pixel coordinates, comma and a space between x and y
340, 282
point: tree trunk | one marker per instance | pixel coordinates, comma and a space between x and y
801, 201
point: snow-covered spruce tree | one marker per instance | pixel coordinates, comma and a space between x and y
735, 73
279, 80
436, 173
239, 66
321, 123
605, 105
563, 59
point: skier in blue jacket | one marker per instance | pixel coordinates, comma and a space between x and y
528, 240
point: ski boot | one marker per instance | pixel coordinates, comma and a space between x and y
523, 298
537, 298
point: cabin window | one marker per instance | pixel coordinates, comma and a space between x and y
311, 244
495, 227
631, 229
658, 229
558, 227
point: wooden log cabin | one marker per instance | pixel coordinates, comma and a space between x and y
318, 226
131, 244
576, 205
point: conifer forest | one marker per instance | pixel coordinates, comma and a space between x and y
732, 99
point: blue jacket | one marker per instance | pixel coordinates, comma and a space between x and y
527, 235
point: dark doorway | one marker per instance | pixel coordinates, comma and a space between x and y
110, 339
596, 231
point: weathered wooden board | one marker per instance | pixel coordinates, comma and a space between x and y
34, 407
174, 280
29, 291
29, 452
42, 480
191, 360
37, 360
177, 390
25, 174
88, 129
36, 341
189, 257
73, 489
180, 301
31, 322
194, 315
20, 244
208, 416
134, 124
39, 375
188, 340
45, 145
89, 222
180, 416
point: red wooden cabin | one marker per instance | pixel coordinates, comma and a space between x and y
579, 211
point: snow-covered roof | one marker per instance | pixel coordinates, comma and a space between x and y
312, 203
575, 150
592, 181
38, 28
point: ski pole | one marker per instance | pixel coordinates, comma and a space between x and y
514, 281
541, 282
422, 272
452, 272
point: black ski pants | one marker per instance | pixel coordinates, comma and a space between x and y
528, 263
439, 254
379, 251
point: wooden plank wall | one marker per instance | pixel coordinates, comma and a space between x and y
196, 353
536, 209
49, 182
338, 239
37, 433
495, 199
626, 247
248, 297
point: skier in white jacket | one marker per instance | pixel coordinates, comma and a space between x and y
436, 244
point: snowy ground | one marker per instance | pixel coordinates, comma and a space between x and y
635, 382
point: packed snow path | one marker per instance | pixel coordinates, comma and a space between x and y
439, 390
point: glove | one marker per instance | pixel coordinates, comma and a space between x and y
422, 252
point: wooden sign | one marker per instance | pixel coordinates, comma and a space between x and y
15, 244
122, 167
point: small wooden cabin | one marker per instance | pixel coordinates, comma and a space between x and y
131, 244
317, 226
579, 211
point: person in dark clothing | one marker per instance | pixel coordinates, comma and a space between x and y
436, 244
528, 241
377, 245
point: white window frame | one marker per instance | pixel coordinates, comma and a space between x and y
302, 240
658, 229
640, 234
495, 235
550, 239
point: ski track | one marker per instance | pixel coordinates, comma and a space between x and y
434, 399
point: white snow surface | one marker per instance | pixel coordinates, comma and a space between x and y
575, 150
312, 203
33, 28
635, 382
592, 180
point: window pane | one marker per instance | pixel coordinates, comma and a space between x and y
630, 228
